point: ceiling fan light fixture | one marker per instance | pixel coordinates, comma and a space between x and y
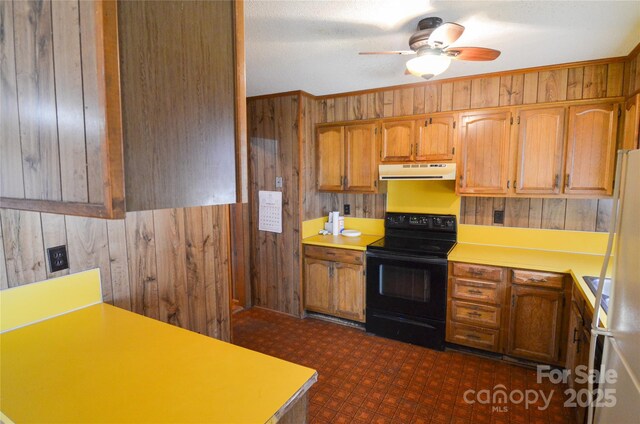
428, 65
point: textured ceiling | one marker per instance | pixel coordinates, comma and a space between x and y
314, 45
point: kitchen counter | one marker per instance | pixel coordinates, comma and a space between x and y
575, 264
342, 242
100, 363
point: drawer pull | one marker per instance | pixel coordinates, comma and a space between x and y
474, 314
475, 291
472, 336
476, 272
537, 280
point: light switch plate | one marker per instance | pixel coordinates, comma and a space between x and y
278, 182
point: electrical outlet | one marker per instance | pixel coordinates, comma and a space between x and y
57, 258
498, 217
347, 209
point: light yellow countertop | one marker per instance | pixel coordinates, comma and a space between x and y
575, 264
104, 364
342, 242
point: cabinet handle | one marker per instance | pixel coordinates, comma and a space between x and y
476, 272
567, 182
508, 183
556, 181
472, 336
475, 291
575, 333
411, 150
474, 314
537, 280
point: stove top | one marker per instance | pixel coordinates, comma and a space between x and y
417, 234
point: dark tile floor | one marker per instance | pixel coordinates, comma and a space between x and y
368, 379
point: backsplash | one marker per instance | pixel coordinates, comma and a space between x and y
554, 214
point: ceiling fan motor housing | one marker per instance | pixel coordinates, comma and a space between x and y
420, 38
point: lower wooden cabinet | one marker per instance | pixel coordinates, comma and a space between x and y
535, 323
520, 313
334, 282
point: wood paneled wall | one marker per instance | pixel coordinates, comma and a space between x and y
593, 80
554, 214
50, 130
170, 264
274, 151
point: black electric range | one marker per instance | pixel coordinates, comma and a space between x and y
407, 278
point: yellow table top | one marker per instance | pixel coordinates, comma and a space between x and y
576, 264
105, 364
342, 242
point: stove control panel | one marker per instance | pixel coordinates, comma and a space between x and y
421, 221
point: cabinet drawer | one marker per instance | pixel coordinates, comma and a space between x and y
537, 278
478, 337
473, 313
336, 255
482, 272
476, 290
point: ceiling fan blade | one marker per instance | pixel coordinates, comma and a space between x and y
391, 52
406, 72
445, 34
472, 53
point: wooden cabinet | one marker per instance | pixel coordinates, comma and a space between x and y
334, 282
540, 150
426, 138
591, 146
535, 323
532, 325
631, 123
398, 140
475, 305
484, 147
436, 138
330, 147
95, 107
347, 158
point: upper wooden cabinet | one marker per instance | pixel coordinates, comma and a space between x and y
591, 146
347, 158
631, 123
422, 139
436, 138
105, 98
540, 150
484, 148
330, 152
398, 140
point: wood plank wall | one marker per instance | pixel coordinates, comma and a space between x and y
274, 150
49, 135
170, 264
599, 79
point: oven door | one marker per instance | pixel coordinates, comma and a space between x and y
407, 285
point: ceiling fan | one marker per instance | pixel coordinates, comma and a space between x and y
432, 45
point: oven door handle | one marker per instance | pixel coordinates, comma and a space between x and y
396, 257
404, 320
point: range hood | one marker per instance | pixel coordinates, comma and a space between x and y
418, 171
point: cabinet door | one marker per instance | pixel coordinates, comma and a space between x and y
398, 139
435, 138
484, 142
540, 149
535, 323
591, 149
631, 123
361, 158
330, 153
574, 343
349, 291
317, 285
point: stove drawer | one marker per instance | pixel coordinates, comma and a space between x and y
476, 314
482, 272
477, 290
478, 337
